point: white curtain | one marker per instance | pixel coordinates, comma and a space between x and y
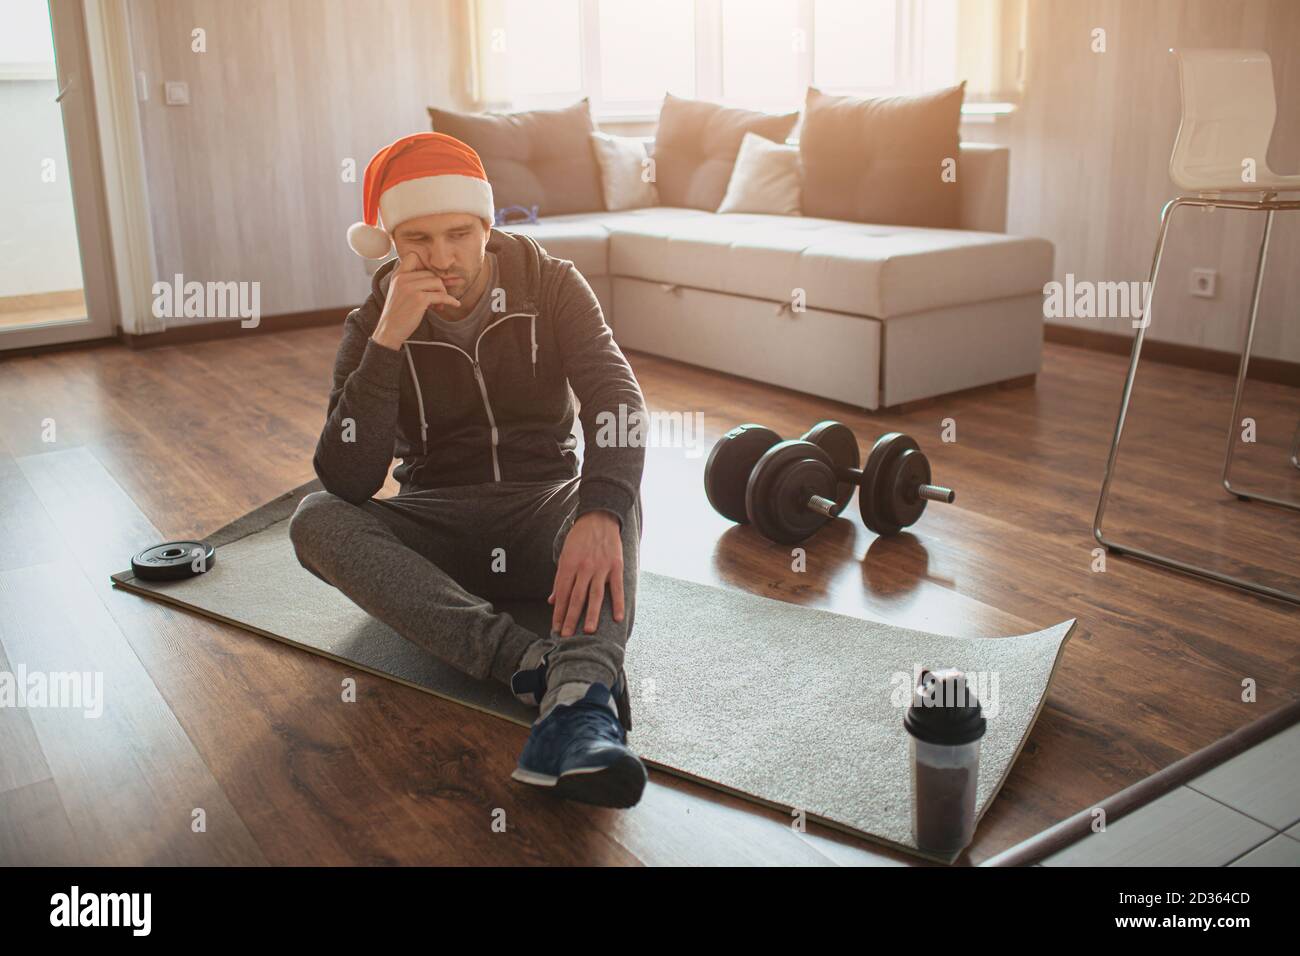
990, 48
488, 67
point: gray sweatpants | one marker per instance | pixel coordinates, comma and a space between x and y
428, 563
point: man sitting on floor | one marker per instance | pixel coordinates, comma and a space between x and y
460, 363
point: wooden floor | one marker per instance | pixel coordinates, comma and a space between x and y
207, 723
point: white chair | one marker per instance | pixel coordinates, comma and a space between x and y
1219, 161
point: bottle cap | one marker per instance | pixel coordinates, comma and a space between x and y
944, 710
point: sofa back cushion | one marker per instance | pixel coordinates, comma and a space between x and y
537, 158
696, 145
765, 179
623, 161
883, 160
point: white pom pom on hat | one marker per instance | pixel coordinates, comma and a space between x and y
369, 242
418, 175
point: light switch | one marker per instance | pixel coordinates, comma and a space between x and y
177, 92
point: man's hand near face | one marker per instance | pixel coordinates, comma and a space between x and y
592, 557
412, 290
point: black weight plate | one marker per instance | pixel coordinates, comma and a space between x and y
173, 560
780, 485
874, 496
727, 471
837, 440
908, 472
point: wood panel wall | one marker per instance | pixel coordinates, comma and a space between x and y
245, 183
1090, 148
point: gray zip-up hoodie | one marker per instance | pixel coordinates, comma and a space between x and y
505, 411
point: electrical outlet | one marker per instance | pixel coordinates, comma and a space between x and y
1203, 283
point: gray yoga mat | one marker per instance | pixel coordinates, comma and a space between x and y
790, 707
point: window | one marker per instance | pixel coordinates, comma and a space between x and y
643, 56
759, 54
543, 47
857, 44
26, 50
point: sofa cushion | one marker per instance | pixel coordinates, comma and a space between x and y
765, 178
869, 270
537, 158
860, 269
696, 145
623, 162
582, 238
882, 160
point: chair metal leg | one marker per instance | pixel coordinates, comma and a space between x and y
1234, 423
1166, 218
1295, 447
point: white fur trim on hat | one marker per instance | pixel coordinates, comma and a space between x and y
429, 195
369, 242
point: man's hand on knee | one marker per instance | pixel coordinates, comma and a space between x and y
592, 557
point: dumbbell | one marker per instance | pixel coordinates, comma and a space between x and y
789, 489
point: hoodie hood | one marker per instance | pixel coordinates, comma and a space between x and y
519, 265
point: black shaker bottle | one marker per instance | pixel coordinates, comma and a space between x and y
946, 724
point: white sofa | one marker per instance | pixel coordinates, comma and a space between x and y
893, 314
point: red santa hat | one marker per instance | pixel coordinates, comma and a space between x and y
418, 175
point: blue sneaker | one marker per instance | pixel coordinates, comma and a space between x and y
581, 750
529, 683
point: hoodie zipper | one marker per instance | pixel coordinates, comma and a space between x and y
419, 400
478, 377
